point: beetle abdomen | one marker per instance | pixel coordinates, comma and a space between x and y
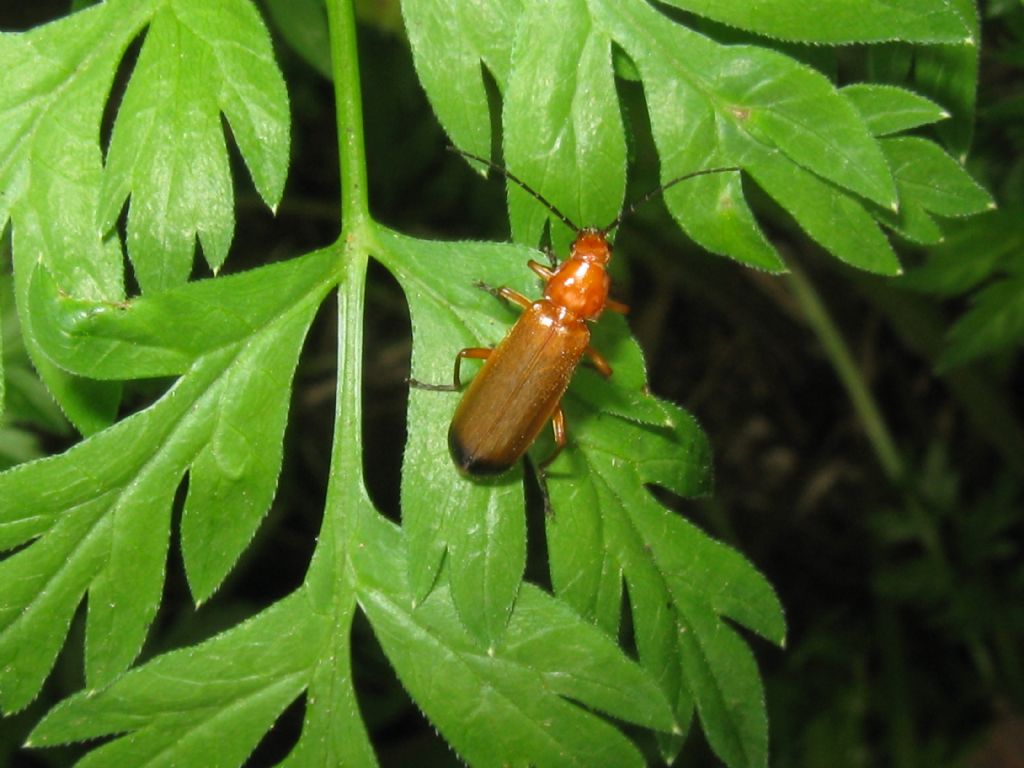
518, 389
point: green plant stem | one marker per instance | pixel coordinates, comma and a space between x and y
331, 581
839, 354
900, 741
868, 411
348, 100
922, 329
346, 495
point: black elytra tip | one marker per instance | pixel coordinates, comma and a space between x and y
470, 464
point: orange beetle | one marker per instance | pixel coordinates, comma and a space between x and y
520, 387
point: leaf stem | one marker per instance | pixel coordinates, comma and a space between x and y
346, 470
331, 579
347, 463
839, 354
348, 99
346, 494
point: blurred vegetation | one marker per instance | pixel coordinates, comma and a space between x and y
868, 433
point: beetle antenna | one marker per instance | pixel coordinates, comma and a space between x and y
526, 187
659, 190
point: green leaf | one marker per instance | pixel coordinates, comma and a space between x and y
17, 446
450, 42
913, 223
626, 393
723, 679
949, 74
210, 704
713, 211
56, 82
173, 160
838, 21
972, 251
510, 674
480, 525
100, 513
562, 122
837, 221
598, 545
134, 339
3, 376
740, 99
26, 400
804, 142
994, 321
303, 25
929, 180
333, 732
887, 109
504, 705
215, 701
57, 78
563, 129
599, 496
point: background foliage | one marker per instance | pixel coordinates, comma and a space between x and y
896, 554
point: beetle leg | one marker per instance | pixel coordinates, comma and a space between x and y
515, 297
599, 362
617, 306
558, 427
505, 293
476, 353
485, 287
544, 273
